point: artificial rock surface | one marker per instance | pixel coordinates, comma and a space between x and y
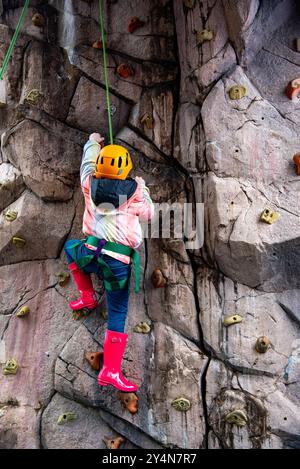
196, 145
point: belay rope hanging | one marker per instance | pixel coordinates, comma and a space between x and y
101, 10
14, 39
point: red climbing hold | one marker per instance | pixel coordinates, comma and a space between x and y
296, 159
293, 89
134, 24
125, 71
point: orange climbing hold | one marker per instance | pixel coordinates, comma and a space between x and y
293, 89
134, 24
94, 359
158, 279
113, 443
125, 71
130, 401
98, 45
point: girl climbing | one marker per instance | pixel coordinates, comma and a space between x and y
114, 207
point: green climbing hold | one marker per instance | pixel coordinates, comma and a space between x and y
24, 311
34, 96
142, 328
10, 367
237, 92
18, 242
67, 417
237, 417
229, 320
10, 215
181, 404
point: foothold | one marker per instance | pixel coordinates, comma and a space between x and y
237, 92
125, 71
204, 36
94, 359
24, 311
34, 96
237, 417
10, 367
134, 24
18, 242
98, 45
147, 121
113, 443
188, 3
293, 89
82, 313
104, 314
182, 404
297, 44
229, 320
142, 328
270, 217
296, 159
67, 417
38, 20
129, 401
10, 215
158, 280
63, 278
262, 344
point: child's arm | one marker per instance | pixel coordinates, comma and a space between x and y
90, 154
142, 203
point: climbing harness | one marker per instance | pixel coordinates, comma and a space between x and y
14, 39
101, 9
110, 281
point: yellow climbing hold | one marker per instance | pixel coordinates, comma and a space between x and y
18, 242
142, 328
229, 320
237, 92
237, 417
269, 216
188, 3
204, 36
181, 404
10, 367
10, 215
24, 311
147, 121
33, 96
67, 417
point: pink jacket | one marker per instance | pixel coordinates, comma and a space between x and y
122, 224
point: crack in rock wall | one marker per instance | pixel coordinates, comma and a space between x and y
235, 156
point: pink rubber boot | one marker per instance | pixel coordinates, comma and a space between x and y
114, 348
85, 288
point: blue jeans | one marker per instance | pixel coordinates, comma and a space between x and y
117, 301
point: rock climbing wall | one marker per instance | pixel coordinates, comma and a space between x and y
198, 95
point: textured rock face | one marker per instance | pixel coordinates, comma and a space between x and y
202, 382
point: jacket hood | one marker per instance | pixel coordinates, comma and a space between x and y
112, 191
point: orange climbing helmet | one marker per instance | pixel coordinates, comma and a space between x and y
113, 162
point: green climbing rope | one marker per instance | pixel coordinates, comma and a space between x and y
105, 70
14, 39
